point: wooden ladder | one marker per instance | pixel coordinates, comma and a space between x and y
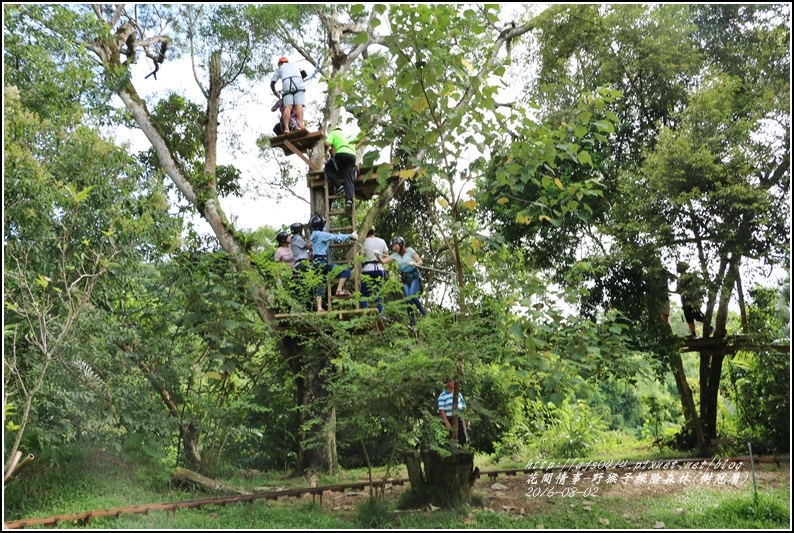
338, 252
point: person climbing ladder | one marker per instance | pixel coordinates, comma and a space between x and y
342, 161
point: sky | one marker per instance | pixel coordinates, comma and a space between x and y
242, 122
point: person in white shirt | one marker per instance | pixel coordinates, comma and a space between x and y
293, 91
372, 272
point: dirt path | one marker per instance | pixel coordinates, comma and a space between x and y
524, 494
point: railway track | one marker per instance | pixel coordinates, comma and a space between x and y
85, 517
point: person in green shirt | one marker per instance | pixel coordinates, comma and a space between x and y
342, 162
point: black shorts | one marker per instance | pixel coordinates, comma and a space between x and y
691, 314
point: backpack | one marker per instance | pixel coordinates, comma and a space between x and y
278, 129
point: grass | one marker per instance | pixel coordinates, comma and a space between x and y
101, 481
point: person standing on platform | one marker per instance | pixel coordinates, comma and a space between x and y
372, 271
320, 240
284, 253
407, 260
301, 251
293, 90
690, 288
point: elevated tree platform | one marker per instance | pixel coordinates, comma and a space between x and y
366, 183
298, 142
302, 322
711, 352
729, 345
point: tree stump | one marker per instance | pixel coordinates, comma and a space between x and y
449, 479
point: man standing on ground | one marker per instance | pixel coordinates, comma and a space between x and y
445, 409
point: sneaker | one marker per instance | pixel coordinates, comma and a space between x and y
339, 191
693, 336
349, 204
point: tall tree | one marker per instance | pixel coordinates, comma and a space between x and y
76, 206
699, 166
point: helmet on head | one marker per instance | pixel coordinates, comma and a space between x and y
682, 267
297, 227
282, 236
283, 59
398, 240
317, 222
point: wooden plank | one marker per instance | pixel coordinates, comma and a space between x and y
364, 190
278, 140
302, 140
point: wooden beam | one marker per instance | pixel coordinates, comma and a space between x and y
341, 314
300, 154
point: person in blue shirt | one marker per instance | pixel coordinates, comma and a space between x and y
407, 260
445, 409
320, 239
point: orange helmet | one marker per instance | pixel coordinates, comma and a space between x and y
283, 59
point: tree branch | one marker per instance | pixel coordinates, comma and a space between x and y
506, 36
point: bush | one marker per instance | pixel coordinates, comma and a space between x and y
373, 513
573, 432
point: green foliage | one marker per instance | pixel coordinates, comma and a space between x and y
39, 57
756, 400
387, 388
572, 431
617, 404
374, 513
78, 212
761, 398
569, 430
197, 339
547, 184
659, 415
768, 314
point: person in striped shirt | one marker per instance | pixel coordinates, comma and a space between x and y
445, 409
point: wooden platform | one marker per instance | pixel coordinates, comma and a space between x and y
300, 321
366, 183
298, 142
301, 139
730, 344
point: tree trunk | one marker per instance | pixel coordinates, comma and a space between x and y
187, 476
317, 444
711, 359
189, 434
414, 467
687, 401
